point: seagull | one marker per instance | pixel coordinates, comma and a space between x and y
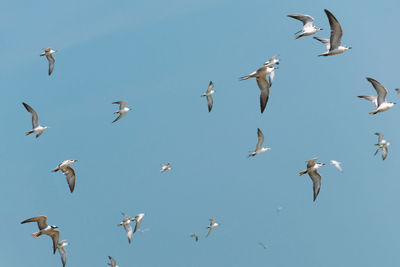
48, 52
308, 27
138, 218
196, 237
334, 47
36, 128
382, 144
262, 244
44, 229
259, 148
68, 172
337, 165
61, 250
112, 263
208, 94
122, 109
397, 90
272, 61
212, 225
126, 223
262, 82
312, 168
165, 168
380, 100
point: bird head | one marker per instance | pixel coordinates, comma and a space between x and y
47, 127
54, 226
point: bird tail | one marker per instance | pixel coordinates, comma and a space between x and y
203, 95
36, 235
298, 36
373, 112
28, 133
303, 172
245, 77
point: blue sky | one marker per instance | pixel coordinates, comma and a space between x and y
160, 56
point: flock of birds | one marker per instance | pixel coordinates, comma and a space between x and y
333, 46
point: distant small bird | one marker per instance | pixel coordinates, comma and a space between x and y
272, 61
44, 229
48, 52
36, 128
334, 47
138, 218
122, 109
262, 244
279, 209
112, 263
68, 172
312, 168
61, 250
337, 165
126, 223
380, 100
397, 90
308, 27
143, 230
165, 168
259, 148
208, 95
382, 144
196, 237
212, 225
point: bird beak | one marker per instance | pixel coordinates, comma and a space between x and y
350, 47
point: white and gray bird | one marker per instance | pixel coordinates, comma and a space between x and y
68, 172
112, 263
165, 168
312, 167
36, 128
382, 145
126, 223
263, 245
195, 236
48, 52
212, 225
336, 164
379, 101
262, 82
334, 46
308, 27
122, 109
259, 147
208, 95
62, 251
44, 229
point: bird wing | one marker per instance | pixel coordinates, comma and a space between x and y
336, 30
54, 234
260, 139
113, 262
271, 77
311, 162
209, 231
316, 178
264, 86
384, 152
41, 221
138, 222
325, 41
129, 232
119, 117
380, 137
306, 19
371, 98
212, 220
51, 60
210, 87
210, 102
70, 176
35, 117
380, 90
63, 255
122, 104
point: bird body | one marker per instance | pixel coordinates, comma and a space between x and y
308, 27
259, 147
122, 109
379, 101
382, 145
208, 95
36, 128
312, 167
48, 52
165, 168
126, 223
212, 225
68, 172
336, 164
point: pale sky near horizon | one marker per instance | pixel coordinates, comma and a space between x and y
160, 56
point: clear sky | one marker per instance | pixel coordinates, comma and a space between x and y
160, 56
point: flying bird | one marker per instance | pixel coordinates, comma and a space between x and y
138, 218
262, 244
308, 27
126, 223
212, 225
44, 229
61, 250
122, 109
36, 128
279, 209
262, 82
208, 95
196, 237
48, 52
337, 165
68, 172
259, 147
334, 47
382, 144
379, 101
165, 168
112, 263
312, 168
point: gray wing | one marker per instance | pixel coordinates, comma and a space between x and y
119, 117
260, 139
380, 137
129, 232
122, 104
113, 262
40, 220
380, 90
210, 102
311, 162
210, 87
325, 41
316, 178
63, 255
336, 30
51, 60
306, 19
264, 86
54, 234
371, 98
70, 176
137, 225
209, 232
384, 152
35, 117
